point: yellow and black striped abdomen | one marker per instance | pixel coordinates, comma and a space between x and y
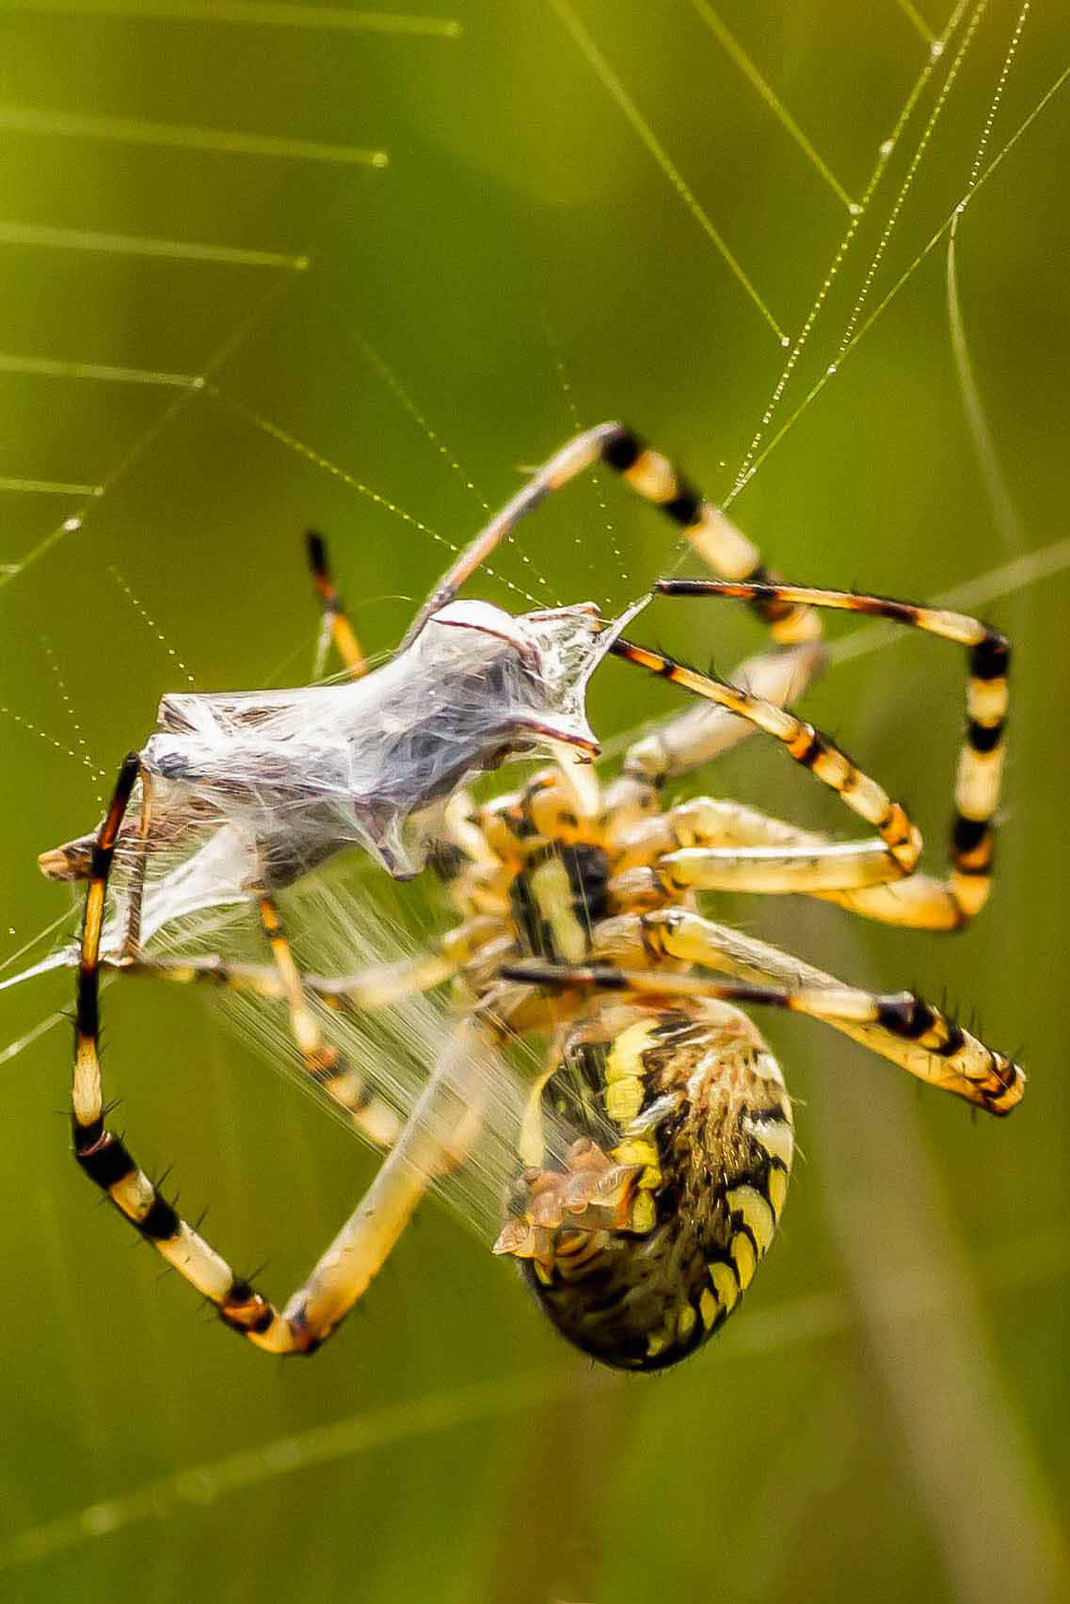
647, 1263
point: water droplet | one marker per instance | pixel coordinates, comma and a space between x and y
936, 49
785, 340
830, 370
887, 147
71, 524
855, 209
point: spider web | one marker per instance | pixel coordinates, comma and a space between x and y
224, 421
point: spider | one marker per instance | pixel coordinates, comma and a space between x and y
654, 1151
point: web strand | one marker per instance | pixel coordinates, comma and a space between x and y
610, 82
907, 274
884, 155
739, 56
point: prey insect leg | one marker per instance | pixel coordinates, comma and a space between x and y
132, 934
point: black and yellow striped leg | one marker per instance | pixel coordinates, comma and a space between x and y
429, 1143
337, 627
703, 733
99, 1152
805, 744
707, 844
836, 1004
651, 476
708, 531
903, 1028
699, 735
324, 1063
980, 767
378, 987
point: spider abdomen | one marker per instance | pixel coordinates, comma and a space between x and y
643, 1265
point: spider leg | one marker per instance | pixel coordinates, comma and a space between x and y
343, 1274
651, 476
835, 1003
702, 733
806, 745
379, 986
980, 766
711, 845
337, 627
324, 1063
364, 991
905, 1029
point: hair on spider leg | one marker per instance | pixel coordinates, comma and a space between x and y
159, 1179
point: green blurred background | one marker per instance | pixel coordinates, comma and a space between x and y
888, 1418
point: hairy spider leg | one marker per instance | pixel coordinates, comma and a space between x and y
706, 844
921, 1040
652, 476
336, 622
904, 1028
951, 902
324, 1063
806, 746
703, 733
360, 1249
835, 1004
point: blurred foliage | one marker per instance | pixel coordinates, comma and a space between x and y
888, 1416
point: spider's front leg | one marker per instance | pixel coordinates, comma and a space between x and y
658, 481
936, 904
707, 844
806, 746
439, 1127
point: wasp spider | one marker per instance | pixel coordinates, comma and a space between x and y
580, 928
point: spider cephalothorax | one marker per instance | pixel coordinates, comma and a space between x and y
655, 1143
